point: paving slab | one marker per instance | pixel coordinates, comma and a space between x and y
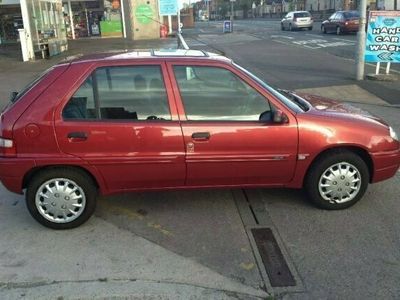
350, 93
99, 251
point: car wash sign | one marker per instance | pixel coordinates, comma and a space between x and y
383, 37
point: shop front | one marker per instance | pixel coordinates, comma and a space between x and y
47, 28
93, 18
10, 21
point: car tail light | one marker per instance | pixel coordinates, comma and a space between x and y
7, 147
346, 23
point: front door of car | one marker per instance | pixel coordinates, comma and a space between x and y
229, 134
119, 120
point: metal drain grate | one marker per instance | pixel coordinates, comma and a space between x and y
272, 257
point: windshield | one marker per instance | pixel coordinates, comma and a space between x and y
295, 107
19, 95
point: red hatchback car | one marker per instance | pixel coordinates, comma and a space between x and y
342, 22
180, 119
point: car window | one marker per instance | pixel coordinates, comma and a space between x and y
333, 17
351, 14
302, 15
216, 94
124, 93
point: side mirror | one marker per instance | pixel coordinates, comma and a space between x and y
280, 117
13, 95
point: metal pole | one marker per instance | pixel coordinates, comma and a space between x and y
87, 22
169, 24
123, 17
71, 20
231, 13
208, 11
361, 41
388, 68
378, 66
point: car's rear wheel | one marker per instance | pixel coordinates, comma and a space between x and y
61, 198
337, 180
338, 30
290, 27
323, 29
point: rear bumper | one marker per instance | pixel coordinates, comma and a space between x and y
386, 165
12, 172
302, 25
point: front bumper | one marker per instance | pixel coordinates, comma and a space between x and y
386, 165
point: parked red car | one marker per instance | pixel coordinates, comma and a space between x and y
342, 22
180, 119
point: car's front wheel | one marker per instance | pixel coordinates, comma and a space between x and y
61, 198
337, 180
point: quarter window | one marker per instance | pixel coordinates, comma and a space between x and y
124, 93
216, 94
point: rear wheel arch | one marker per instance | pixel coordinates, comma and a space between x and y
31, 174
361, 152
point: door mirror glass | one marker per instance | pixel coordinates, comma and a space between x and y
280, 117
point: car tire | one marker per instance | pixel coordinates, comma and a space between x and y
323, 29
337, 180
61, 198
310, 28
290, 27
338, 30
282, 27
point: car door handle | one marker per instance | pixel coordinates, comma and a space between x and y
77, 136
201, 136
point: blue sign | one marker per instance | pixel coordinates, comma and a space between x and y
383, 37
168, 7
227, 26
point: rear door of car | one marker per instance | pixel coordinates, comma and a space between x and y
331, 25
226, 142
121, 118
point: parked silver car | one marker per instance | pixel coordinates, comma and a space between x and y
297, 20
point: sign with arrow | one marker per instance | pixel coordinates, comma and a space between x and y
383, 37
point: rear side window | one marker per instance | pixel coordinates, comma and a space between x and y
351, 14
120, 93
302, 15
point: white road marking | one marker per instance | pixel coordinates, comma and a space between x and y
348, 41
282, 37
311, 34
281, 42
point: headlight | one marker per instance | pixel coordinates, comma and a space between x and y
393, 134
